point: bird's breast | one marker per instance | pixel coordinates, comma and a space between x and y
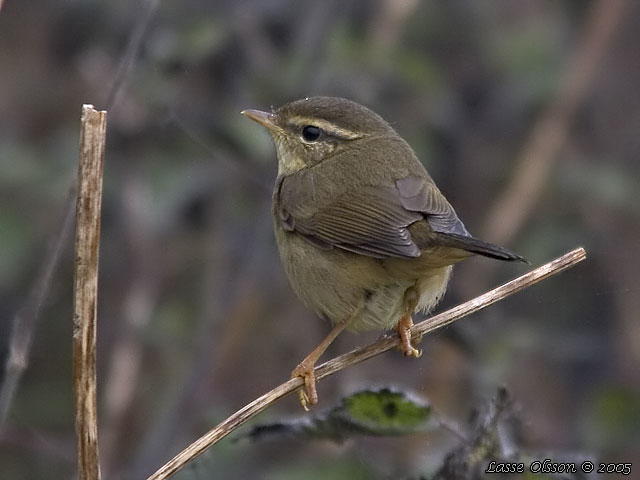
335, 283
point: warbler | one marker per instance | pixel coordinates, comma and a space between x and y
365, 236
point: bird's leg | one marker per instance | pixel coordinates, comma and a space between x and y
308, 394
404, 325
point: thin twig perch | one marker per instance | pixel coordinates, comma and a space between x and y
362, 354
85, 288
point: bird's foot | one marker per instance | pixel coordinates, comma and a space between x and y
308, 394
404, 331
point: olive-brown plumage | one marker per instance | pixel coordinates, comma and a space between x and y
365, 236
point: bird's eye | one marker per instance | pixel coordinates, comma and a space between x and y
311, 133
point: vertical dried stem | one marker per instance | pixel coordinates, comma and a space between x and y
26, 319
85, 288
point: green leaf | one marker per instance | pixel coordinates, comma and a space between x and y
382, 412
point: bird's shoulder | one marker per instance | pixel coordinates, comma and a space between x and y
376, 163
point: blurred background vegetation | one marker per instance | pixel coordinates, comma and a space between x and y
527, 115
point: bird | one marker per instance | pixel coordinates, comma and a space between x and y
365, 236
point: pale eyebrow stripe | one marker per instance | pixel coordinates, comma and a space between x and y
328, 127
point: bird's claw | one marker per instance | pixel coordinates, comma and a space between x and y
411, 351
404, 331
307, 394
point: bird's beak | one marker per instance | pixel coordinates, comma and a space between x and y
265, 119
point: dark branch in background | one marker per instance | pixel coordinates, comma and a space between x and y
226, 158
85, 288
131, 53
231, 290
26, 319
142, 291
359, 355
550, 132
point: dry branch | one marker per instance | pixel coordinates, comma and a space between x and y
362, 354
85, 288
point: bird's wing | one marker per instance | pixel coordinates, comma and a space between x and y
368, 220
418, 194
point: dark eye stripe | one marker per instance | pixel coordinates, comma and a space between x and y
311, 133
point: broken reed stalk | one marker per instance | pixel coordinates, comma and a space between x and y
85, 288
361, 354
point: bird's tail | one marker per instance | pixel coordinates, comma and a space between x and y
474, 245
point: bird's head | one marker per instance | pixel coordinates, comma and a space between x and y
310, 130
